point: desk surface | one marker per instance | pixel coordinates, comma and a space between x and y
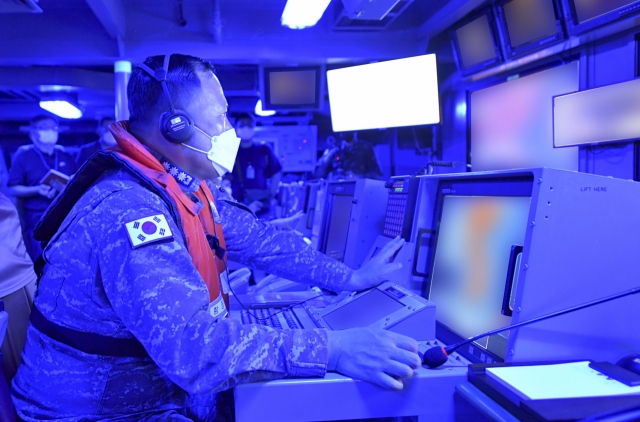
335, 397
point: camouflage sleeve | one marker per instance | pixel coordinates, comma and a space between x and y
283, 253
160, 297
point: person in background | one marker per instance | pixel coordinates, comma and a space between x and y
105, 140
355, 158
325, 159
28, 167
257, 172
17, 285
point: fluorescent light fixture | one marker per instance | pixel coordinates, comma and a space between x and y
300, 14
264, 113
60, 108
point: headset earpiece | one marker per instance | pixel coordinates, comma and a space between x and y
175, 125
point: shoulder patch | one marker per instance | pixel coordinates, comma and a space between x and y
148, 230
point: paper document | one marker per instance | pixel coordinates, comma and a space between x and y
567, 380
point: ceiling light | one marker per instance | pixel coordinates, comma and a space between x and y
300, 14
61, 108
264, 113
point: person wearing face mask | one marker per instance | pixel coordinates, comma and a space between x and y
105, 140
257, 171
130, 321
29, 165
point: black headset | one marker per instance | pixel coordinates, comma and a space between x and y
175, 125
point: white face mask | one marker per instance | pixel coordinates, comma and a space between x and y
223, 151
48, 136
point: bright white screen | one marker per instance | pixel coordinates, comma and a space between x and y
610, 113
512, 125
395, 93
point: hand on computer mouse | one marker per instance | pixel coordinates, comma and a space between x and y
377, 356
377, 269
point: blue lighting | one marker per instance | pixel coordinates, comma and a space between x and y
299, 14
260, 112
63, 109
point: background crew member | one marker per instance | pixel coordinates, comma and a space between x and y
29, 165
17, 285
105, 140
128, 265
257, 172
355, 158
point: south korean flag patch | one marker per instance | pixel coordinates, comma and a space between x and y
148, 230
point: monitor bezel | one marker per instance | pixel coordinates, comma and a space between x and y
574, 27
265, 89
612, 141
497, 186
466, 71
531, 46
333, 190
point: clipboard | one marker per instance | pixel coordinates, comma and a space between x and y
55, 179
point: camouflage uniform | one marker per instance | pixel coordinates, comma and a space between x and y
95, 282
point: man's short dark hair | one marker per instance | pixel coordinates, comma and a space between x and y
40, 118
146, 98
245, 117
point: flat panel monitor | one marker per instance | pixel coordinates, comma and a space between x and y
606, 114
291, 88
584, 15
394, 93
512, 126
529, 25
475, 43
338, 225
479, 236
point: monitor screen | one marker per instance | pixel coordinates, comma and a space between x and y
529, 20
291, 88
475, 42
363, 311
394, 93
470, 264
591, 9
606, 114
512, 125
338, 229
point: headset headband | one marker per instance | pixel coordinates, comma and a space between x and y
160, 75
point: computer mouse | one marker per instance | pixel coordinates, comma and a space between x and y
630, 363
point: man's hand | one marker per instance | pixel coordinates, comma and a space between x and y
376, 270
287, 222
377, 356
46, 191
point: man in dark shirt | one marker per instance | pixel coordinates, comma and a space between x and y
356, 158
29, 165
105, 140
257, 171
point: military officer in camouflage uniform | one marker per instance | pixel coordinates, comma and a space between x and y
127, 327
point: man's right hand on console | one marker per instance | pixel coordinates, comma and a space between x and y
374, 355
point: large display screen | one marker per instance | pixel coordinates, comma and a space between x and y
591, 9
529, 20
512, 125
475, 237
394, 93
363, 311
606, 114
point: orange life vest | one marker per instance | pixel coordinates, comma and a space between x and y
195, 225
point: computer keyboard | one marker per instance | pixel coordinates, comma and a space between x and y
272, 317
